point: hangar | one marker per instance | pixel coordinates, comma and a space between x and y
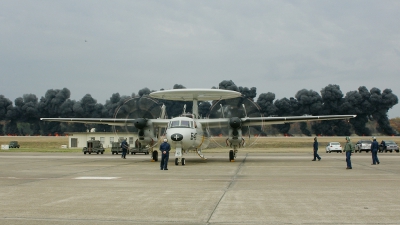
79, 139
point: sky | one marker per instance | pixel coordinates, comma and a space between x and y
105, 47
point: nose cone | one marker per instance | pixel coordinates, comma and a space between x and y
177, 137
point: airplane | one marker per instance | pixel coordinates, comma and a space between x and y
189, 131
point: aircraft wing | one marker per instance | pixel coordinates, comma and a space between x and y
254, 121
108, 121
257, 121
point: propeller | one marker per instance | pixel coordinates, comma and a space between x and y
234, 109
141, 109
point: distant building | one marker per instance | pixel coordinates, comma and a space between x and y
79, 139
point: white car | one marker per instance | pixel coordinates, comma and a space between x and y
333, 147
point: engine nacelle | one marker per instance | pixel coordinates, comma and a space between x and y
235, 122
235, 132
140, 123
146, 133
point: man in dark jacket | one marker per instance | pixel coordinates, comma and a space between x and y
164, 149
374, 151
383, 148
124, 146
315, 148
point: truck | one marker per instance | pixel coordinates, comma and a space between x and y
94, 146
116, 148
13, 144
139, 149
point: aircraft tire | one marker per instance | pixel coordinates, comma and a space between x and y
155, 156
183, 161
231, 156
176, 161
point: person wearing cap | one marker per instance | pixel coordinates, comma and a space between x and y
164, 149
349, 149
374, 151
315, 148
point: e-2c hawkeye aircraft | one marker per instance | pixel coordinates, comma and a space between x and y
189, 131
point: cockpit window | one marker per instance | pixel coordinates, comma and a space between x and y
185, 123
180, 123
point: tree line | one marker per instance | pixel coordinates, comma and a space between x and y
23, 117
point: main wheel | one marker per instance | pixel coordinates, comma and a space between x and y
155, 156
183, 161
231, 156
176, 161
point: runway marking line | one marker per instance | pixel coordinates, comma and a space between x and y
96, 178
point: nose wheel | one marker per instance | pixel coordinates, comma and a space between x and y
183, 161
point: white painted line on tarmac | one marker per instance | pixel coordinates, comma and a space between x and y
96, 178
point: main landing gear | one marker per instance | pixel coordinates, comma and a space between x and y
232, 155
183, 161
154, 156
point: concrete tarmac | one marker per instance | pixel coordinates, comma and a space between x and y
258, 188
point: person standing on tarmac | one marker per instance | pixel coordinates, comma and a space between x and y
383, 143
124, 146
349, 149
164, 149
315, 148
374, 151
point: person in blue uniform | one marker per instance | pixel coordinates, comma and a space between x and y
315, 148
164, 149
124, 146
374, 151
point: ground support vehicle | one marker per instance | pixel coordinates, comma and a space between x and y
333, 147
390, 147
116, 148
363, 145
13, 144
93, 146
139, 149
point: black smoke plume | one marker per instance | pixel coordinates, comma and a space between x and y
22, 117
5, 105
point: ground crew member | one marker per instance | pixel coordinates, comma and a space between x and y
315, 148
349, 149
164, 149
383, 143
124, 146
374, 151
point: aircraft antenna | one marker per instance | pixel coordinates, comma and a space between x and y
245, 113
222, 110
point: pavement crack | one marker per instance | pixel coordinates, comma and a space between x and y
232, 181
